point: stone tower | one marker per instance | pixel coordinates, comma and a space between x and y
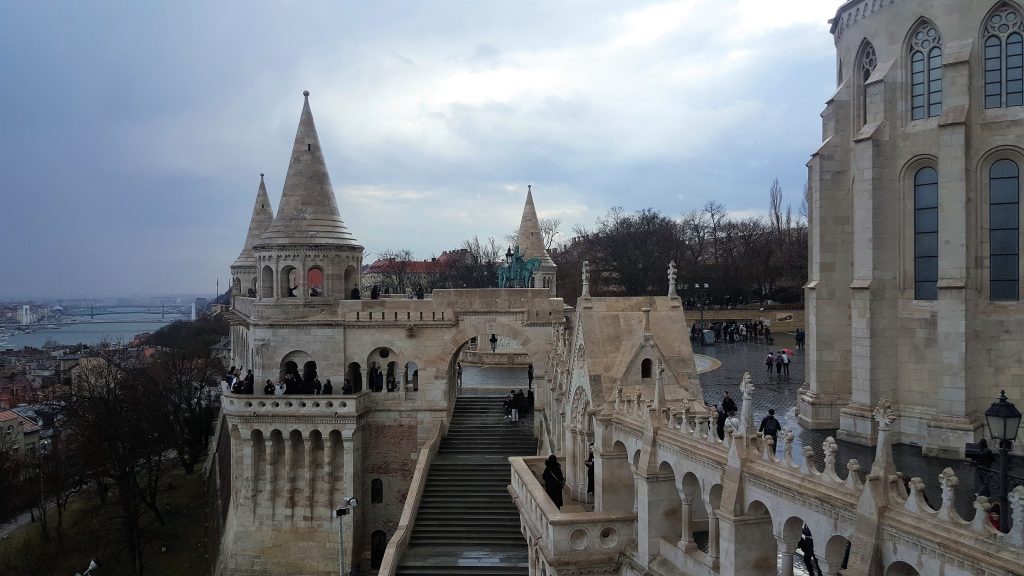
307, 255
243, 270
531, 245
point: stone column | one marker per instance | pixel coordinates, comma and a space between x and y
289, 478
570, 461
248, 503
308, 488
787, 551
713, 528
686, 540
268, 442
348, 489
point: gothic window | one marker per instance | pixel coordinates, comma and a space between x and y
868, 61
1004, 227
1004, 58
926, 234
925, 72
376, 491
645, 368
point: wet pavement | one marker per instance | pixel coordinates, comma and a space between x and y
780, 393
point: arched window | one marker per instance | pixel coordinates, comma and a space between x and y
1004, 58
645, 368
315, 282
378, 545
267, 282
1004, 226
376, 491
925, 72
926, 234
868, 61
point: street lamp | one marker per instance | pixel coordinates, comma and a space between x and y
1003, 421
494, 342
346, 508
93, 565
701, 291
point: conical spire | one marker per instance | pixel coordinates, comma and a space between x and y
531, 241
262, 216
308, 212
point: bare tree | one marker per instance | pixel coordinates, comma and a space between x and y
395, 268
775, 204
183, 383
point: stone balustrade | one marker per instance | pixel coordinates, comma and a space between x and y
561, 538
301, 406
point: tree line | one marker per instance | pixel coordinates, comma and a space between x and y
122, 422
741, 259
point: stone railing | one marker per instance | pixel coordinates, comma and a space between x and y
244, 306
590, 538
399, 541
295, 405
495, 358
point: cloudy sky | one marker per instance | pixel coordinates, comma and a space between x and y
132, 134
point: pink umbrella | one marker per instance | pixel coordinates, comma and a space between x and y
789, 351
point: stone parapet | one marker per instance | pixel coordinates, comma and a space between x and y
584, 542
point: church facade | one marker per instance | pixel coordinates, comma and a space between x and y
913, 289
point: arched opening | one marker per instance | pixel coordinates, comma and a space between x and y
308, 376
267, 281
760, 550
712, 504
615, 491
376, 491
901, 568
378, 544
867, 60
352, 282
664, 507
289, 282
391, 377
353, 379
315, 282
797, 540
646, 368
697, 521
289, 369
837, 554
236, 285
251, 292
498, 363
412, 377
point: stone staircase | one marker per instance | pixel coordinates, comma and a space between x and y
467, 523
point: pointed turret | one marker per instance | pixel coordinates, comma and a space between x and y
308, 212
262, 216
531, 241
531, 245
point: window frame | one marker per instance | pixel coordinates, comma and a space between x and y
927, 289
1010, 256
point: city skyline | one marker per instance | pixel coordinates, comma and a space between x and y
132, 157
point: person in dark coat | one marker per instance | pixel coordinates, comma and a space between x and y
770, 426
554, 480
268, 388
590, 470
806, 546
317, 387
328, 387
983, 458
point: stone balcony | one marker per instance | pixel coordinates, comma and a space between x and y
295, 406
563, 538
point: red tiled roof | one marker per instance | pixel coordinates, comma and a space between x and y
11, 415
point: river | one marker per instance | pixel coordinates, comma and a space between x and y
90, 333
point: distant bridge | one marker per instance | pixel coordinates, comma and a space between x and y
164, 310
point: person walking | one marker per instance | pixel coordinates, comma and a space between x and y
785, 364
806, 546
554, 480
589, 463
778, 363
770, 426
769, 362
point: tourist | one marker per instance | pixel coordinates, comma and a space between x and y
458, 366
355, 294
328, 388
785, 363
408, 294
554, 480
375, 292
589, 463
520, 400
529, 376
806, 546
982, 458
778, 363
419, 292
346, 387
529, 400
720, 417
506, 404
514, 405
268, 389
769, 362
771, 427
280, 388
799, 337
728, 404
768, 335
317, 388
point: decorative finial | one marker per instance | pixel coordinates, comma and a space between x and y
305, 93
529, 188
884, 414
261, 176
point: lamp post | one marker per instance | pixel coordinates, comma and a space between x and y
348, 504
701, 290
1003, 421
93, 565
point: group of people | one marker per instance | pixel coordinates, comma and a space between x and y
376, 291
292, 384
234, 383
732, 331
517, 404
780, 360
